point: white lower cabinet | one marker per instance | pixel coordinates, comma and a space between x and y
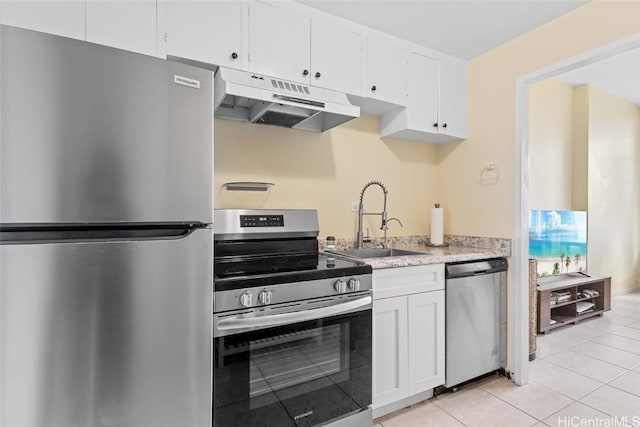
390, 346
426, 341
408, 335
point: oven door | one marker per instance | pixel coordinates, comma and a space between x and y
306, 367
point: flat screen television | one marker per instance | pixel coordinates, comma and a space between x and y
558, 240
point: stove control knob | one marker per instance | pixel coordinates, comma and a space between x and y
340, 286
246, 299
265, 297
354, 284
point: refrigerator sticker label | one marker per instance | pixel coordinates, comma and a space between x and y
186, 81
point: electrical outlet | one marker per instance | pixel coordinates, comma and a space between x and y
354, 206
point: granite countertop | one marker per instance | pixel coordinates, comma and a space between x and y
467, 249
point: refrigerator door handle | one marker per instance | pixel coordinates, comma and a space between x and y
29, 234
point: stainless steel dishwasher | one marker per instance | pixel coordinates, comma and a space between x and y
476, 319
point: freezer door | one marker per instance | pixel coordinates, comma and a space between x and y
107, 333
93, 134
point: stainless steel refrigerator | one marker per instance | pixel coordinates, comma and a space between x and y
106, 242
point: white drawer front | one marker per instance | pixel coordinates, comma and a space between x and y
392, 282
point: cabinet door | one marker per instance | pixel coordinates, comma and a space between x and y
337, 59
129, 25
207, 31
62, 18
389, 351
422, 99
279, 41
426, 341
386, 71
453, 98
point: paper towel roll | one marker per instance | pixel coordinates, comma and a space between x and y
437, 226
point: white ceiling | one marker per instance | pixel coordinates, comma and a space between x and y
468, 28
618, 76
460, 28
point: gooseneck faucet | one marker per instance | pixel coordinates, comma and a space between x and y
361, 211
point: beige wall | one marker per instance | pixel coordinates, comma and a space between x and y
614, 189
580, 149
550, 145
327, 171
479, 209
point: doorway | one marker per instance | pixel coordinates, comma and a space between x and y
521, 174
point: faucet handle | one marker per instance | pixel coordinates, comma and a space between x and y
383, 226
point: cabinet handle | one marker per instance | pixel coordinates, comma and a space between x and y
444, 125
435, 125
305, 73
234, 55
373, 88
318, 75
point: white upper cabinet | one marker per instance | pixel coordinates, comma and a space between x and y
422, 100
211, 31
419, 94
62, 18
436, 105
452, 112
386, 70
286, 43
129, 25
337, 57
279, 41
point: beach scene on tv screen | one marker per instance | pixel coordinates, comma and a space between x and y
558, 240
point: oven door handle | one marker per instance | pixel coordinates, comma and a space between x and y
240, 322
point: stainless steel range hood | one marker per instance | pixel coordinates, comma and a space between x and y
249, 97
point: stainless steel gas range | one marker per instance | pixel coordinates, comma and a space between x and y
292, 326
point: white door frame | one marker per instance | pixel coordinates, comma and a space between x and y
521, 171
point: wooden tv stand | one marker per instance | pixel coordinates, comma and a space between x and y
551, 316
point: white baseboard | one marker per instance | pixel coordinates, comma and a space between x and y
408, 401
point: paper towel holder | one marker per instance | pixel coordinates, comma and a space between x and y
437, 245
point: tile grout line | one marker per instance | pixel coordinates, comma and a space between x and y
612, 348
567, 396
451, 415
597, 360
531, 415
589, 406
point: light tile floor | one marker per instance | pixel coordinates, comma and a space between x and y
584, 375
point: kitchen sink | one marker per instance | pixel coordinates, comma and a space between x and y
376, 252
